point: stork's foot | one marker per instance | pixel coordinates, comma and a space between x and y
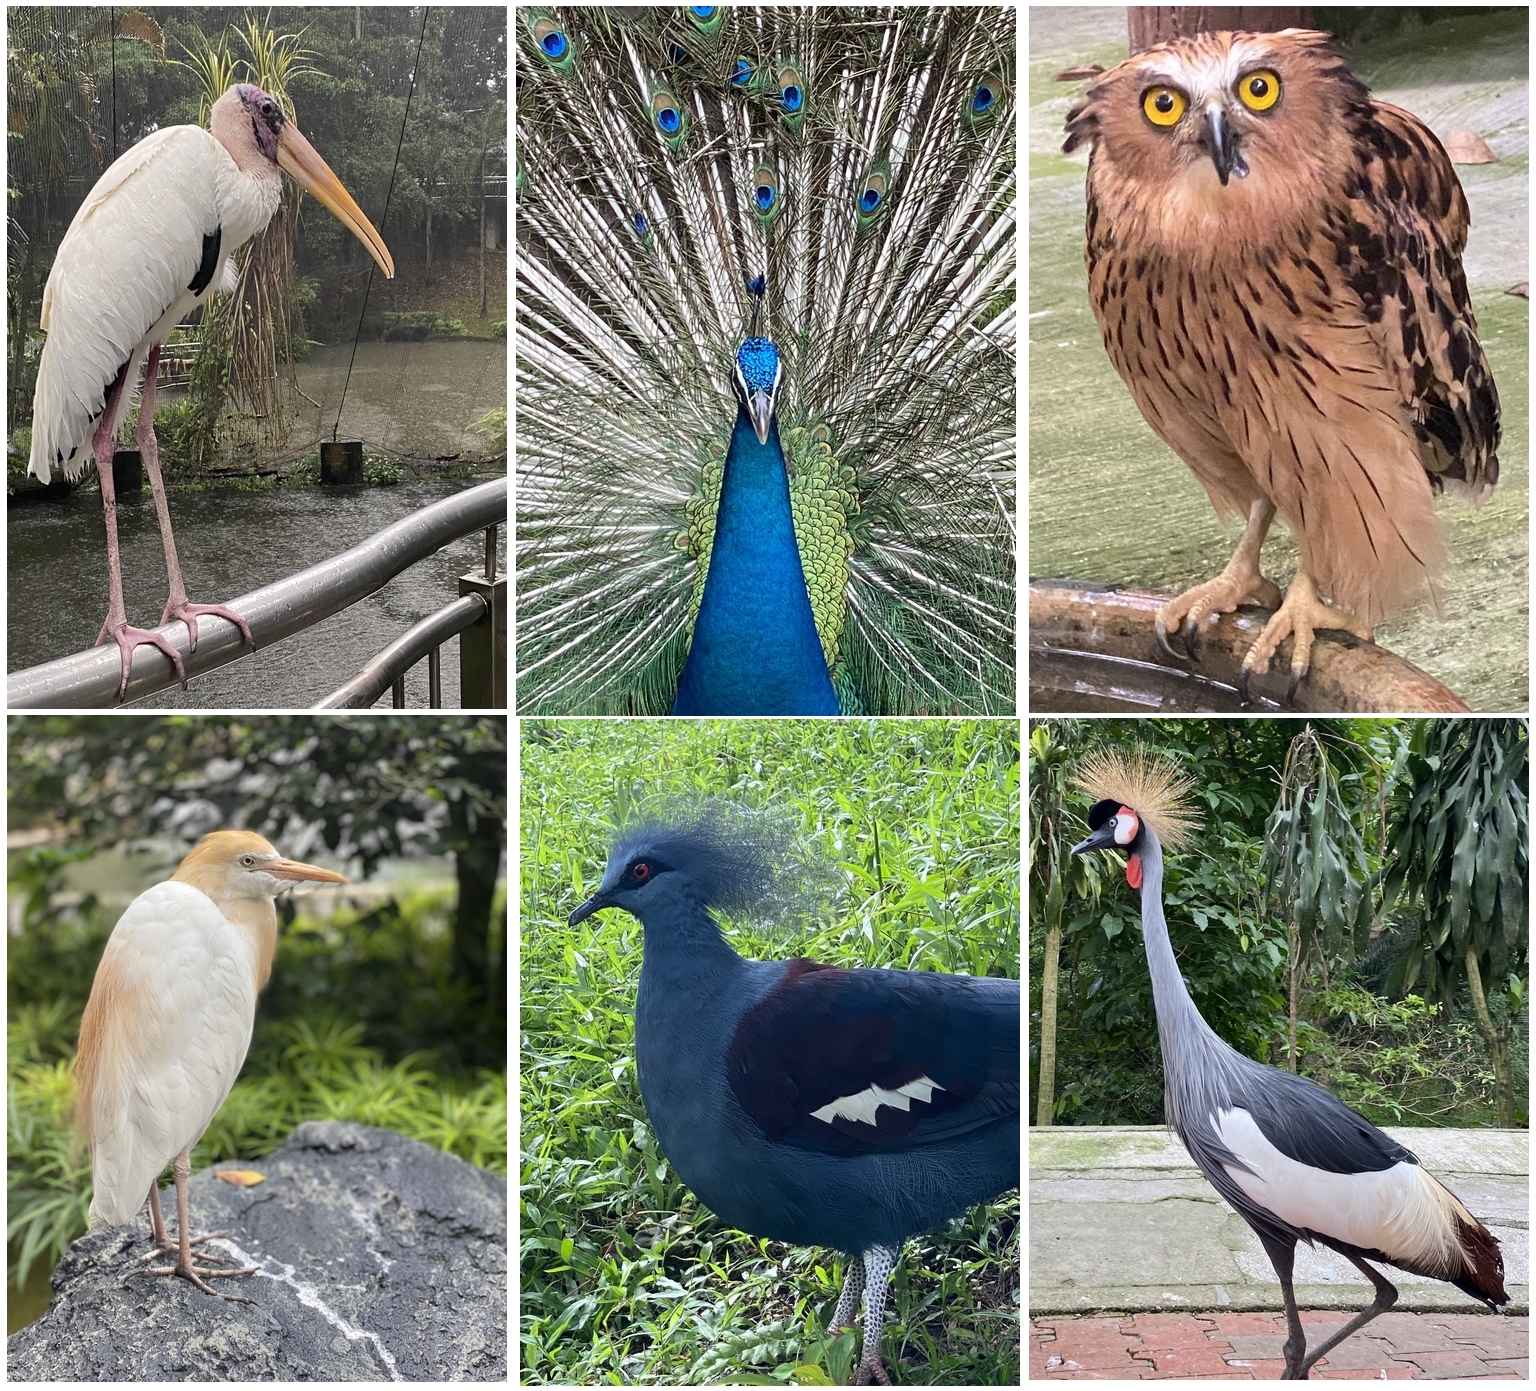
188, 613
1239, 583
1298, 618
127, 638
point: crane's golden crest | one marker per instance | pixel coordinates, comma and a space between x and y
1274, 260
1149, 785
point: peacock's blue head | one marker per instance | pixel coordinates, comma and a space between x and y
759, 374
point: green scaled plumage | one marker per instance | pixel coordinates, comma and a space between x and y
844, 155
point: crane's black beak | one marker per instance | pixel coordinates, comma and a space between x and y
1101, 839
1220, 141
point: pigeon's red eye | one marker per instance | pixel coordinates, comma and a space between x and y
640, 870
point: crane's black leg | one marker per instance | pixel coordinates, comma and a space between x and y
1282, 1255
1386, 1297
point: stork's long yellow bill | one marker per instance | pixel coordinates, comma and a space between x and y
299, 159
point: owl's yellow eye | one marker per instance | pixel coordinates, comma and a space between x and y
1163, 105
1259, 91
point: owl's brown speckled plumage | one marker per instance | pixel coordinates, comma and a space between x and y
1282, 291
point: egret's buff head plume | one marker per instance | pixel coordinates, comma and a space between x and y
1149, 785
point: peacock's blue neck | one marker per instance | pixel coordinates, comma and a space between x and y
755, 650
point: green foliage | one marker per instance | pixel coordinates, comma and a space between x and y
413, 326
493, 425
379, 471
1314, 861
1460, 847
625, 1277
1399, 1062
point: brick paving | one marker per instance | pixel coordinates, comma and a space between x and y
1393, 1347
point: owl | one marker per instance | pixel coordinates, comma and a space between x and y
1275, 265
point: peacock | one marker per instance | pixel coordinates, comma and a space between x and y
765, 403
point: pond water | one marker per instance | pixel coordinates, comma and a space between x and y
416, 399
231, 542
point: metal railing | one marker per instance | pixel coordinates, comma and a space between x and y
388, 669
88, 680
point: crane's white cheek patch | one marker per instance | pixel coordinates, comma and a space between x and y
1395, 1211
863, 1105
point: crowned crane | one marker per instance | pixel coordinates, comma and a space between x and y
166, 1028
1292, 1159
152, 241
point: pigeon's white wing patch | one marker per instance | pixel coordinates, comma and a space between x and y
863, 1105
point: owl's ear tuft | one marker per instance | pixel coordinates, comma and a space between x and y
1082, 124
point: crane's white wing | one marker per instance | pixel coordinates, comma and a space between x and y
147, 235
177, 998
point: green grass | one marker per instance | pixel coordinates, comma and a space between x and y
626, 1278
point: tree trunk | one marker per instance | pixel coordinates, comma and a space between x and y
1498, 1045
482, 232
1050, 977
1150, 24
1295, 984
475, 867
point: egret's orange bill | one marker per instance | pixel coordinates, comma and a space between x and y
295, 870
299, 158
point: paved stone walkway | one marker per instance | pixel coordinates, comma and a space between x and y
1243, 1346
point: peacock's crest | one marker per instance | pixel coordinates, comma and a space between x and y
858, 165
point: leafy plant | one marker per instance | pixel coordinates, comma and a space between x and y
1459, 856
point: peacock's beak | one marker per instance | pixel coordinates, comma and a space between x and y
760, 406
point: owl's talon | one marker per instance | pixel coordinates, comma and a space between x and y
1243, 678
1191, 634
1297, 673
1162, 640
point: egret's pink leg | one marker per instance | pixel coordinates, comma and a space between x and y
117, 626
164, 1246
177, 605
184, 1267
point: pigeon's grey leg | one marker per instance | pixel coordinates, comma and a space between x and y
879, 1261
848, 1302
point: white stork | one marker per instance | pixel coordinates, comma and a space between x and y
153, 240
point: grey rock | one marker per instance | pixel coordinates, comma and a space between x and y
379, 1259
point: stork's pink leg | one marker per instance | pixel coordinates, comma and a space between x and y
177, 605
117, 626
182, 1169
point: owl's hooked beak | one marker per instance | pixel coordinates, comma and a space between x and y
1220, 141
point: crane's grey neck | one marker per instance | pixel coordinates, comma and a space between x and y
1192, 1053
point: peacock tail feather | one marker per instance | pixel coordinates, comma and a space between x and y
859, 163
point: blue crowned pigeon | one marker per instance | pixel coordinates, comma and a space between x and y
806, 1103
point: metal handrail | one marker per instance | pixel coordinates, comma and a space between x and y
381, 672
89, 679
